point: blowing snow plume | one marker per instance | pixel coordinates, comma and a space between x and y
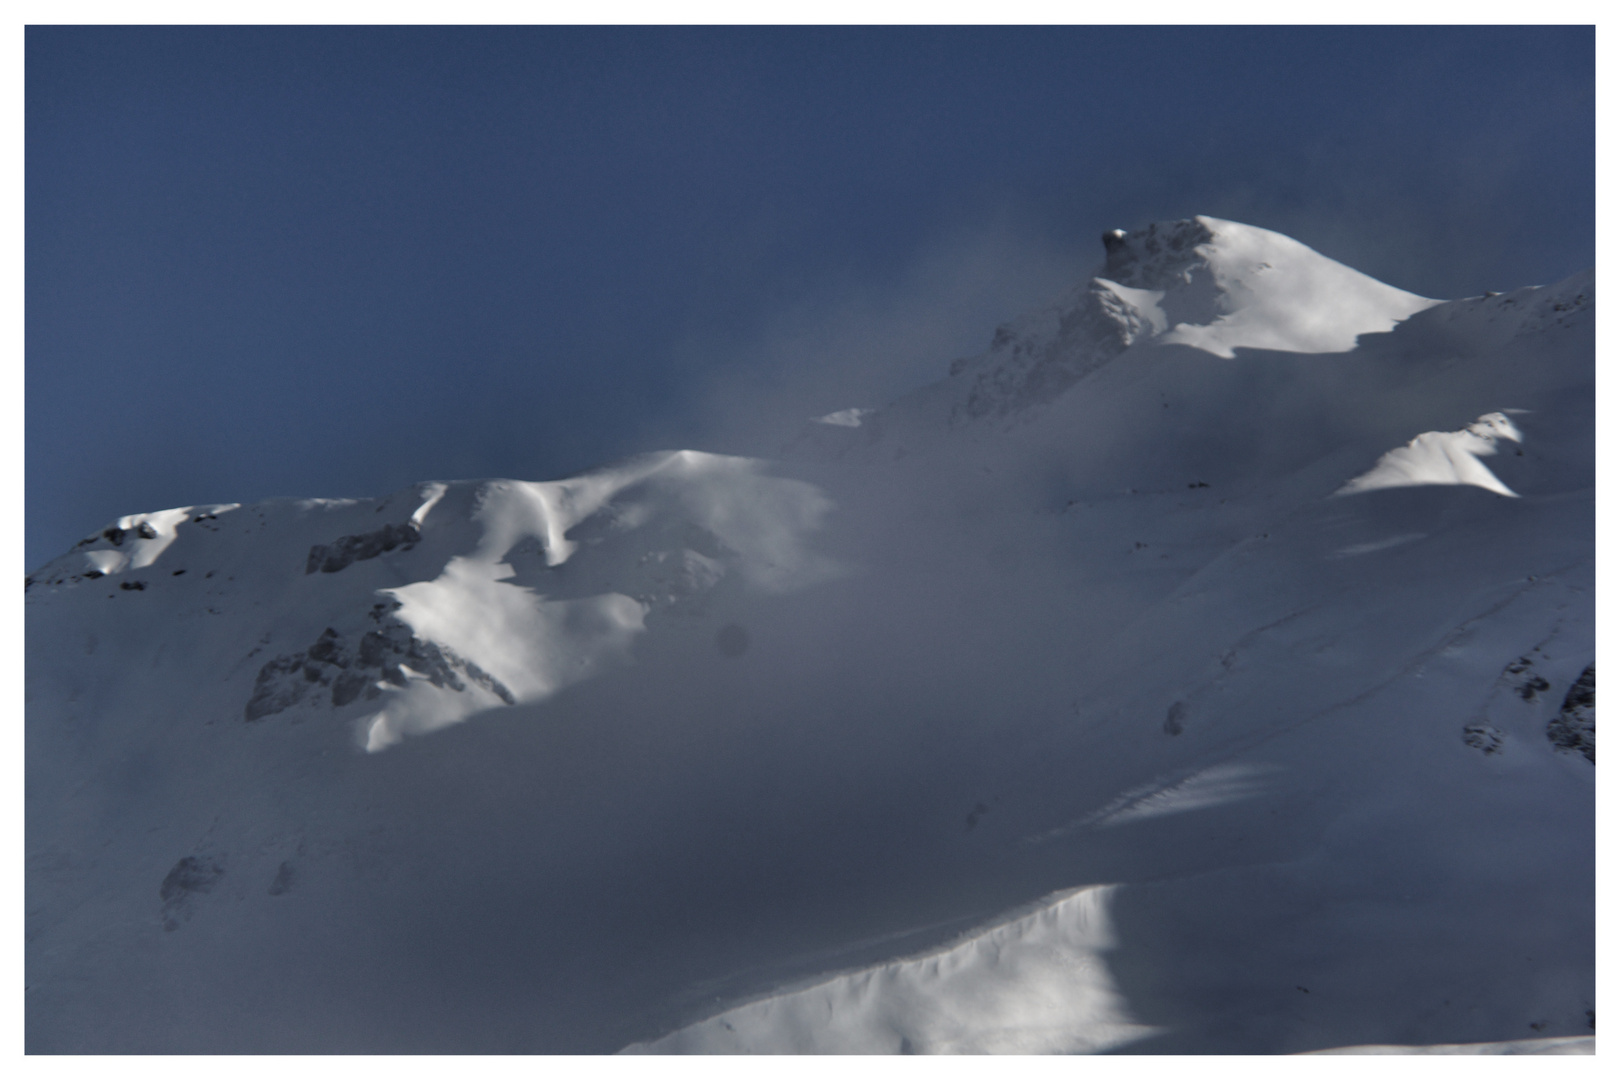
1056, 706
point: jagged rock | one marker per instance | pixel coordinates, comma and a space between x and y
1036, 363
1575, 726
328, 650
383, 654
1156, 257
273, 692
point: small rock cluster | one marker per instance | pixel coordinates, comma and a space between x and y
1483, 737
191, 875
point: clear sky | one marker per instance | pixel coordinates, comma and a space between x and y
334, 261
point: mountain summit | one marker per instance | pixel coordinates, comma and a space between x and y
1206, 667
1209, 284
1218, 286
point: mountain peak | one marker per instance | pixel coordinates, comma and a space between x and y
1222, 286
1157, 256
1214, 285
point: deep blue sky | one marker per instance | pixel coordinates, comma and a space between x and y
333, 261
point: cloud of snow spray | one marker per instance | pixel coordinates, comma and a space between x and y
865, 341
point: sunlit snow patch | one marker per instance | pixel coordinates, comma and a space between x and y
1036, 985
531, 645
1262, 290
1219, 286
844, 417
1442, 457
138, 539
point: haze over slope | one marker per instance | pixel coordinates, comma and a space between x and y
1176, 676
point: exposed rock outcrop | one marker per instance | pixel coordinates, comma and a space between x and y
1575, 726
330, 558
334, 668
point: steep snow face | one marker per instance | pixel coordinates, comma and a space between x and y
1209, 284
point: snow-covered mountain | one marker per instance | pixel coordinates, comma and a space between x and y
1206, 667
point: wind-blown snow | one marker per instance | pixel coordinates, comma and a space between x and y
138, 539
1057, 706
431, 494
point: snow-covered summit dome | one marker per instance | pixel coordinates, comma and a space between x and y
1210, 284
1219, 286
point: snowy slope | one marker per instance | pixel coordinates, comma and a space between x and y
1177, 676
450, 622
1214, 285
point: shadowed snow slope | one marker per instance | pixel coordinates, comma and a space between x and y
1175, 677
